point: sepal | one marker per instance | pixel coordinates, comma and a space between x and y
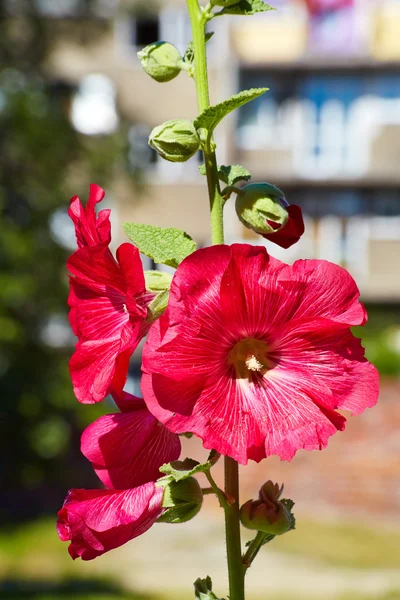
178, 470
182, 500
203, 589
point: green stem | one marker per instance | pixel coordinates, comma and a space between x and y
254, 548
198, 19
219, 493
232, 529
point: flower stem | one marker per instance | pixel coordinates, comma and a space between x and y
198, 19
254, 548
232, 528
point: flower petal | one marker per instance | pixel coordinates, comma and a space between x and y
89, 230
127, 449
292, 231
97, 366
96, 521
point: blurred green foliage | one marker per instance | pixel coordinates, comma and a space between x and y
44, 161
381, 338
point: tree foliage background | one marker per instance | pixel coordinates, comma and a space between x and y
44, 161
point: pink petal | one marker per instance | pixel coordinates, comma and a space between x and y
318, 288
95, 267
95, 367
97, 315
89, 230
128, 449
291, 232
128, 257
96, 521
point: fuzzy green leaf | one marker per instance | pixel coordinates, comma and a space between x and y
233, 173
213, 115
167, 246
246, 7
229, 174
182, 469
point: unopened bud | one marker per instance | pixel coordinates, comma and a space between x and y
262, 207
161, 61
176, 141
182, 499
267, 514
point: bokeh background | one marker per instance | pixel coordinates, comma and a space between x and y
76, 108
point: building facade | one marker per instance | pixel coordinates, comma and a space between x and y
327, 132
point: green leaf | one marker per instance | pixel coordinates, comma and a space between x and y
233, 173
189, 54
182, 469
229, 175
213, 115
246, 7
167, 246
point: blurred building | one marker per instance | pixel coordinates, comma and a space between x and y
327, 132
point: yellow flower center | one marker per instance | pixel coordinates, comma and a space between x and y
249, 356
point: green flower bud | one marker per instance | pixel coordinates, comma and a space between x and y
176, 141
157, 281
267, 514
182, 499
262, 208
161, 61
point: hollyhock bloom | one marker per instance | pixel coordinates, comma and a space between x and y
254, 356
127, 449
108, 301
291, 232
95, 521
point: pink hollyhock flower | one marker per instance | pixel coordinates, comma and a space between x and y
291, 232
96, 521
127, 449
108, 301
255, 356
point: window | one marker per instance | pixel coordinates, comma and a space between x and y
333, 123
145, 30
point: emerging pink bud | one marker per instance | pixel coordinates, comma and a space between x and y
267, 514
